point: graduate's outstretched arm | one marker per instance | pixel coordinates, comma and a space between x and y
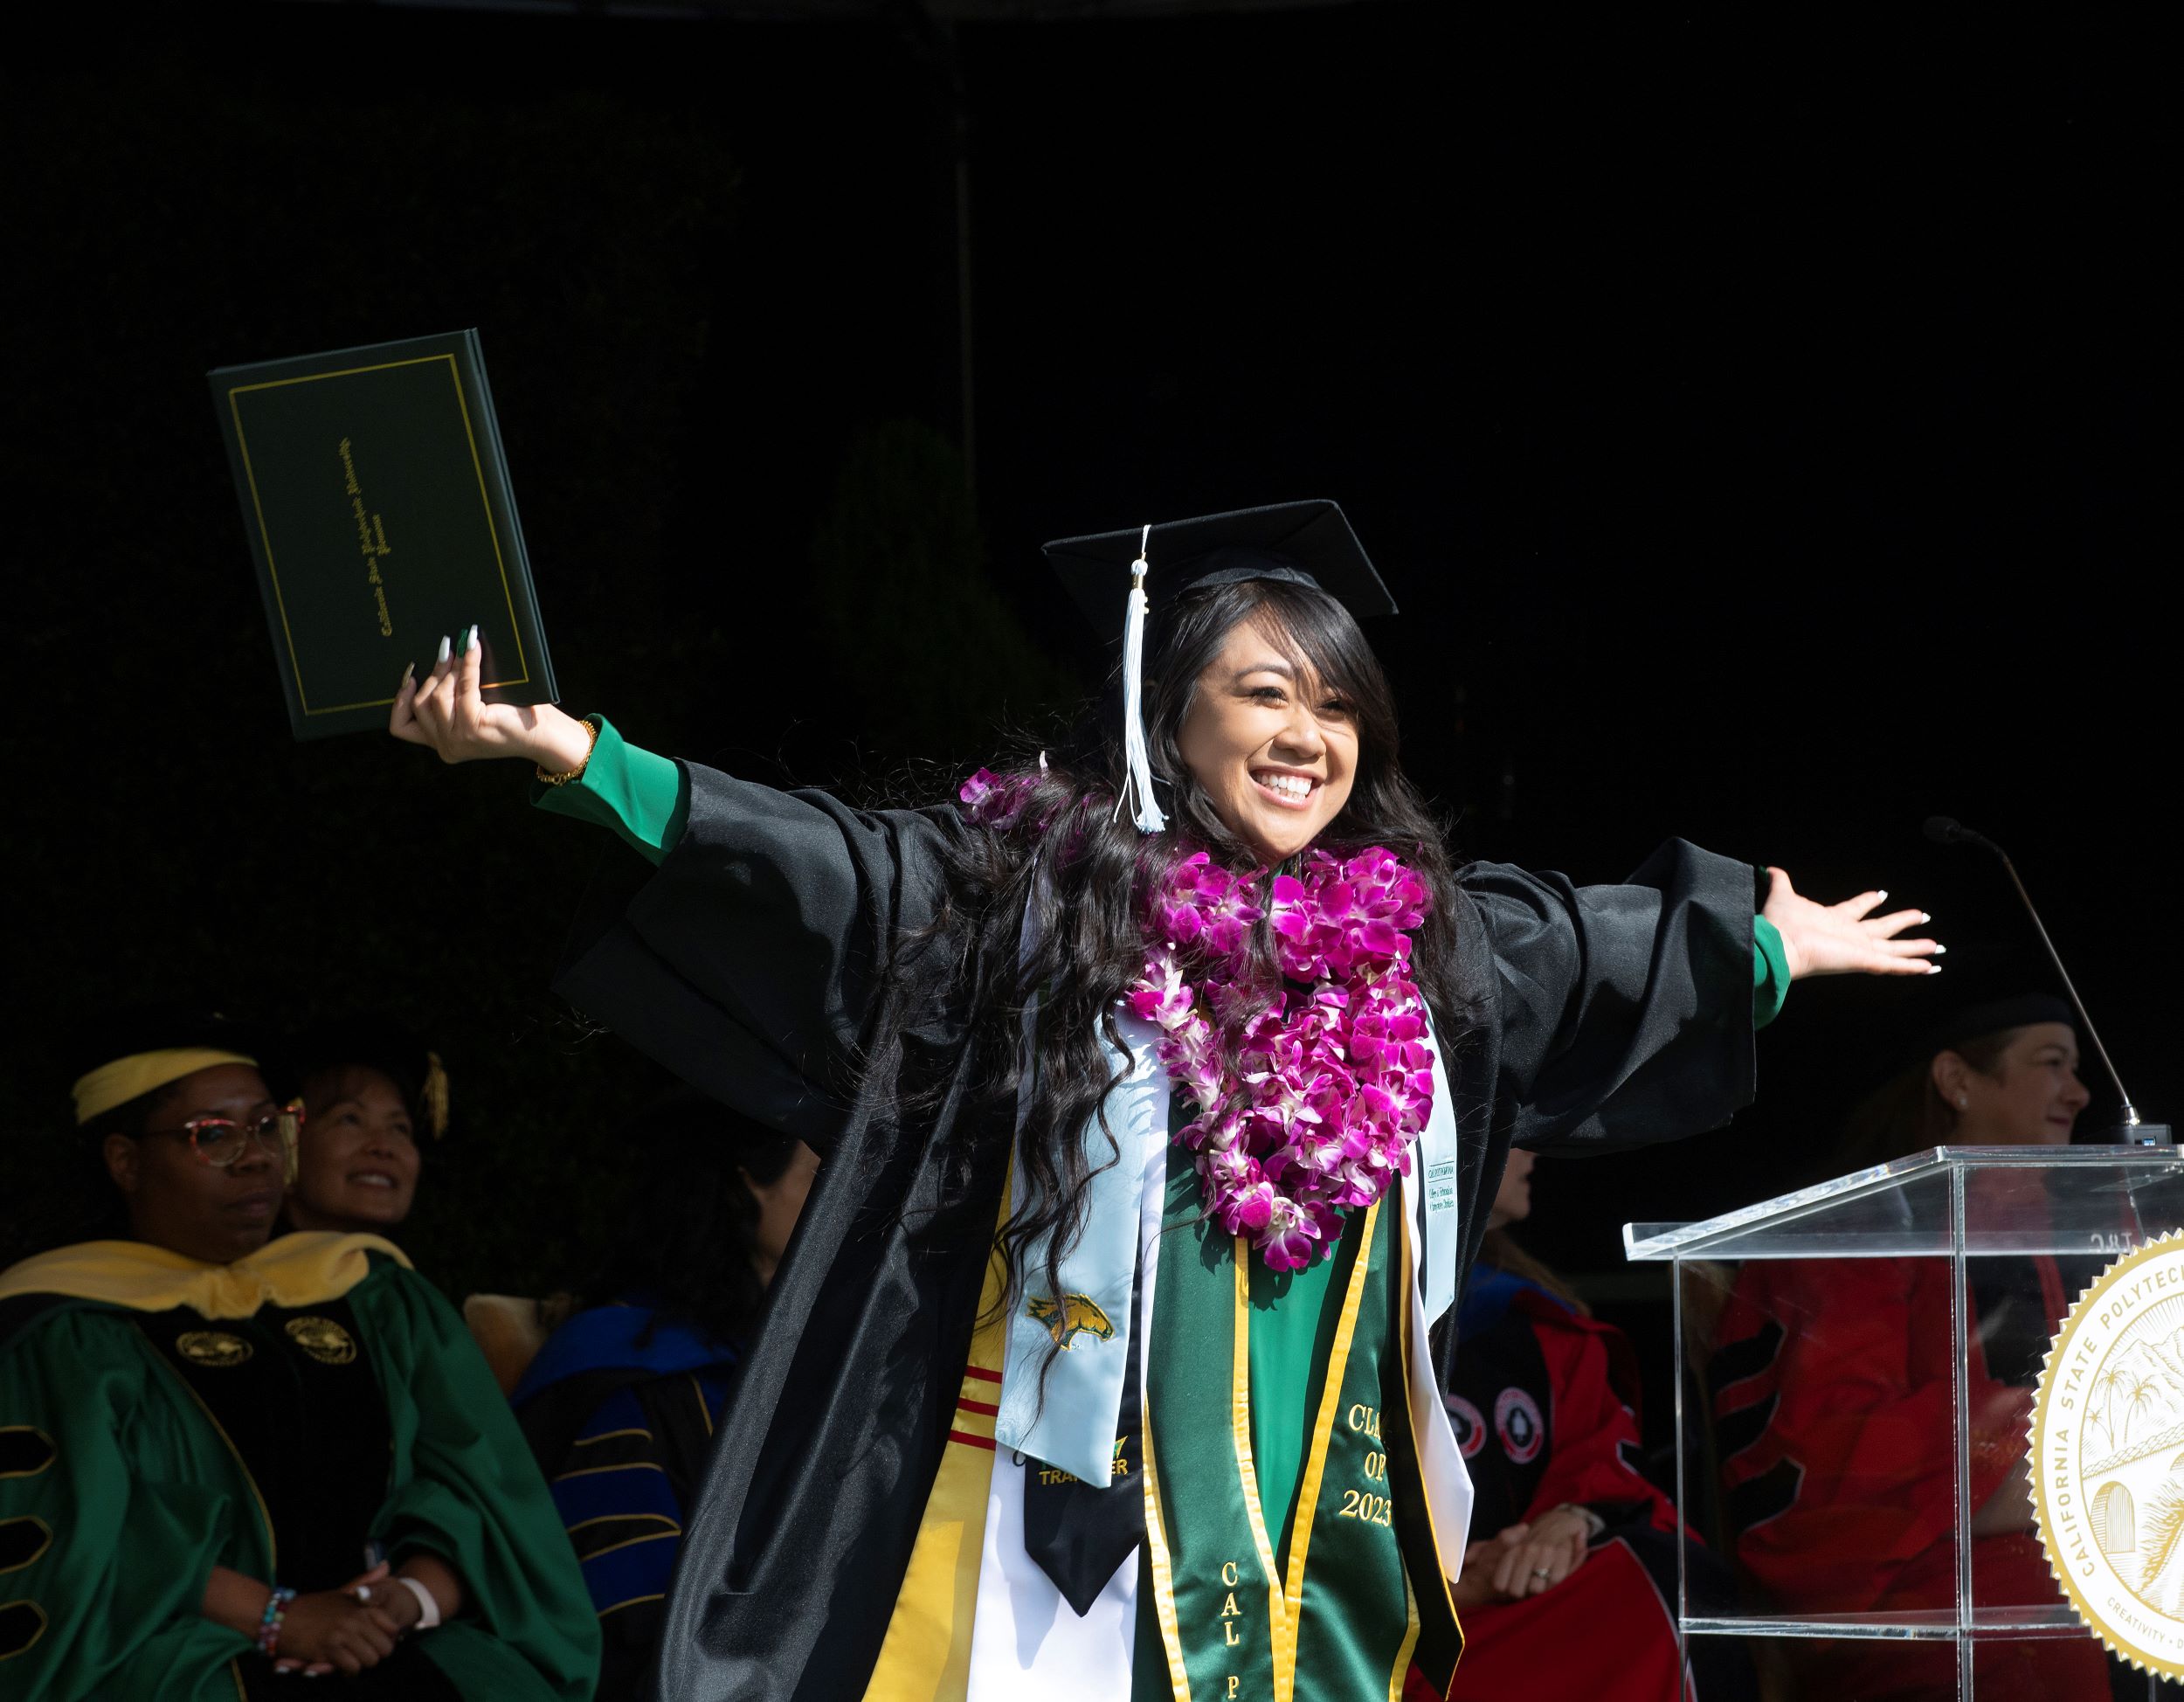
445, 712
1626, 1012
1847, 938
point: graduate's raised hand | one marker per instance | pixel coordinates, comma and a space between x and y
1847, 938
446, 712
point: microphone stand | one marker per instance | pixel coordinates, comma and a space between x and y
2132, 1132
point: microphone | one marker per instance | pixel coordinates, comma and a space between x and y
1944, 830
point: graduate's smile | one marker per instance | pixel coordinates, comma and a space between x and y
1287, 787
1273, 749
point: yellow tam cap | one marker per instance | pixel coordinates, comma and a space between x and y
100, 1090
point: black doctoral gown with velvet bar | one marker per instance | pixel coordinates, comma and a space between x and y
754, 963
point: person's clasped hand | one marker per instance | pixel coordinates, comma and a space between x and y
347, 1629
1523, 1559
1542, 1554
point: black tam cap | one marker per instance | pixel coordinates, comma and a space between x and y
1305, 543
1976, 1020
1986, 989
373, 1043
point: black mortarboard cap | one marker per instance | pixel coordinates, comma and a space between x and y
1306, 544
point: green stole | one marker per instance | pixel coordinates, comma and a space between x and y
1328, 1612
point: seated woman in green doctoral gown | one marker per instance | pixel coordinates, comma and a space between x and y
228, 1463
1161, 1080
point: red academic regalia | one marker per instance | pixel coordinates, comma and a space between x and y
1833, 1417
1543, 1401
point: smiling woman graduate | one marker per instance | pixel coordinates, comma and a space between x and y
204, 1432
1159, 1080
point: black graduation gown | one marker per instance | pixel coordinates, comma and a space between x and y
754, 964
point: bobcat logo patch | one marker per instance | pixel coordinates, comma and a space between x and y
1075, 1315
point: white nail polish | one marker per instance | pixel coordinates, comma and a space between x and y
471, 643
1933, 969
1880, 897
1923, 916
1939, 950
446, 648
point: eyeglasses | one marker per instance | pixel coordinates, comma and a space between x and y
221, 1141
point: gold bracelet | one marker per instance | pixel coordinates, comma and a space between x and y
591, 742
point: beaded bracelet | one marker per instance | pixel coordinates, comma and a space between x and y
269, 1624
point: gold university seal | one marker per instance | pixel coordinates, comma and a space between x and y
323, 1339
2108, 1456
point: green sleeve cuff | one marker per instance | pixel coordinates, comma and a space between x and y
642, 796
1770, 972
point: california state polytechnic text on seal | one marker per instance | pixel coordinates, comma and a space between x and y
2108, 1456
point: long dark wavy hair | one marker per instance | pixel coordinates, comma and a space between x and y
1051, 905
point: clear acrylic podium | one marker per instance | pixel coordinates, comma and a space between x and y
1855, 1365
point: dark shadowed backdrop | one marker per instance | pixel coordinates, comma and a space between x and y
1768, 434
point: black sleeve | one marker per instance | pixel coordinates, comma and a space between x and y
1622, 1014
751, 961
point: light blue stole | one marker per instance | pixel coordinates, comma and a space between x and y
1074, 1428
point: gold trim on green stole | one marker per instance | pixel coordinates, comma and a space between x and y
1331, 1625
1330, 1402
1437, 1637
1366, 1500
1282, 1628
1157, 1563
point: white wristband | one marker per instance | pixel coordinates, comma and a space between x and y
428, 1605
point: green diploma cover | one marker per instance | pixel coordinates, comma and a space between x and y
379, 512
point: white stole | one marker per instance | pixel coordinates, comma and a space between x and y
1026, 1639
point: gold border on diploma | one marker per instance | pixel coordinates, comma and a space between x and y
249, 477
2108, 1457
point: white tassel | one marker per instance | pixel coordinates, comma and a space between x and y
1135, 756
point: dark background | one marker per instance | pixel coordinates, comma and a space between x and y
1768, 434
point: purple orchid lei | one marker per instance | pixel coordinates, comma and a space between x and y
1332, 1081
